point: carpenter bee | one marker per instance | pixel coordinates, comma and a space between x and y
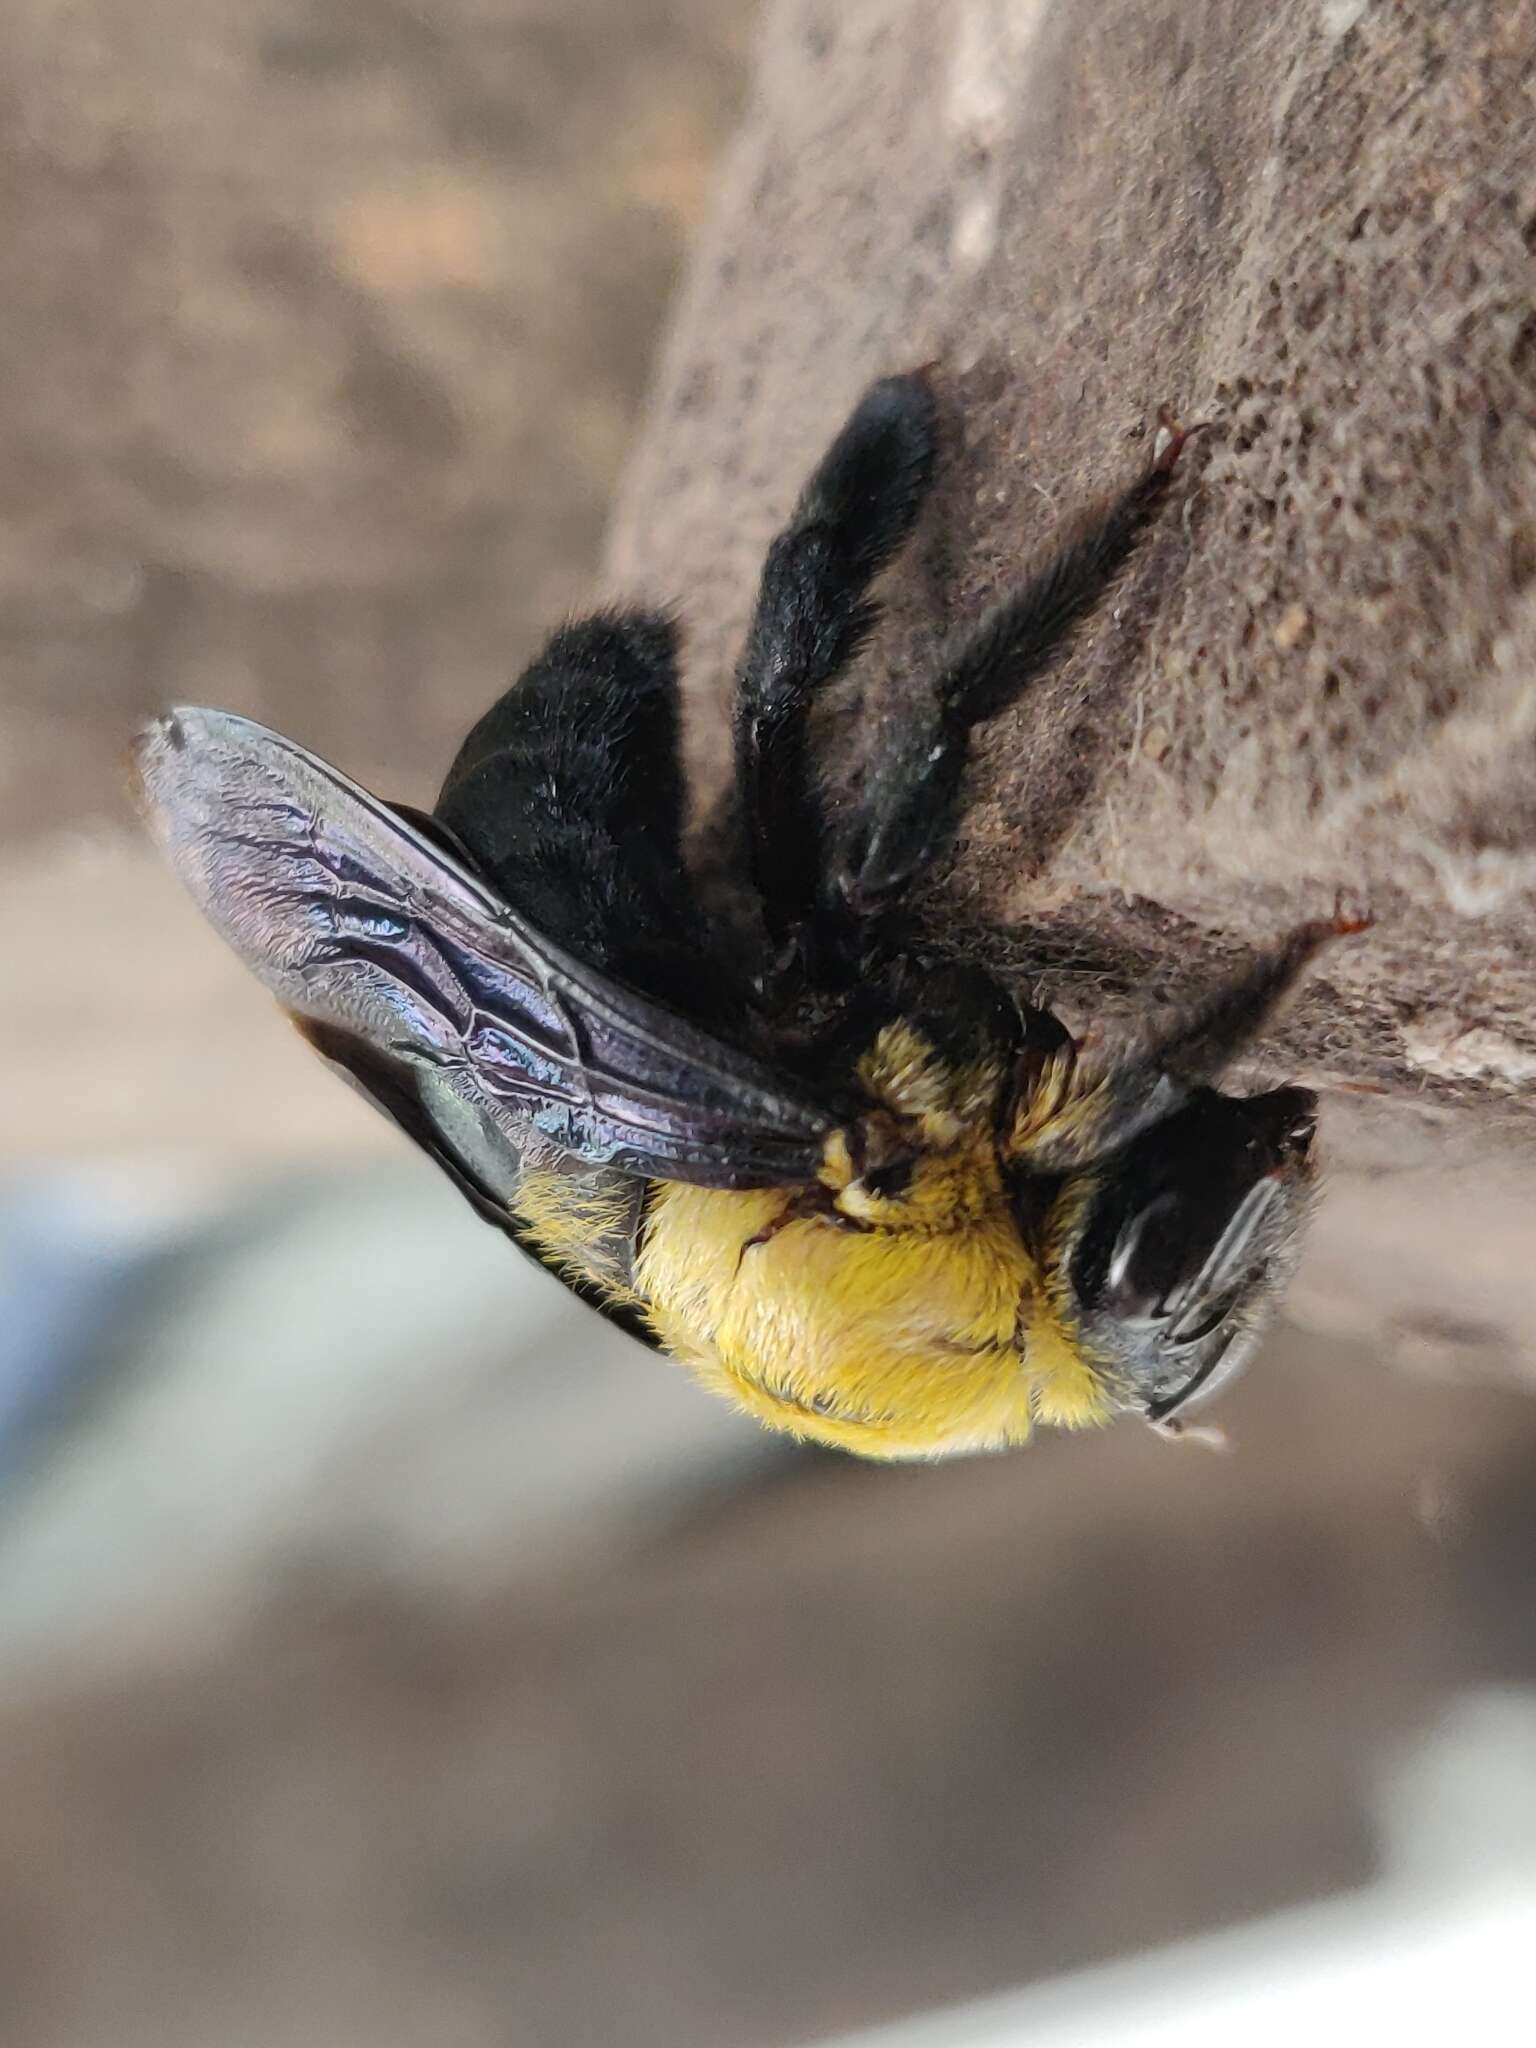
872, 1198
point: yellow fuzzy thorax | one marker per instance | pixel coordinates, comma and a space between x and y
895, 1326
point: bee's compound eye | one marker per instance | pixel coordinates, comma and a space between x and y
1203, 1302
1149, 1260
1192, 1234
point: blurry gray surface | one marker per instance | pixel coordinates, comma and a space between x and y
853, 1744
1436, 1948
349, 1378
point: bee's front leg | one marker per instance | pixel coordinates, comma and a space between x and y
1100, 1098
812, 616
1198, 1043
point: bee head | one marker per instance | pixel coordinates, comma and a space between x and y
1186, 1242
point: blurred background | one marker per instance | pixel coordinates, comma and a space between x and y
389, 1653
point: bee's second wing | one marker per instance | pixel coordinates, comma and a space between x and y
362, 925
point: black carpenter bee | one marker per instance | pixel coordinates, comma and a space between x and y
876, 1201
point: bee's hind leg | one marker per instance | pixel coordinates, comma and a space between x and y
568, 795
813, 614
911, 808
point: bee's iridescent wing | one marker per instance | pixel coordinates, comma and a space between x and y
379, 940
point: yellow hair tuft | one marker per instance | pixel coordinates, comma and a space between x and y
571, 1219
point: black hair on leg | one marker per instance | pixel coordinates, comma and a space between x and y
910, 810
812, 616
1199, 1043
1189, 1050
568, 795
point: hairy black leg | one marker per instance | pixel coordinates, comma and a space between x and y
1185, 1052
813, 614
568, 795
910, 810
1199, 1043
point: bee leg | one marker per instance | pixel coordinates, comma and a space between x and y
568, 795
1209, 1036
813, 614
1152, 1078
912, 806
